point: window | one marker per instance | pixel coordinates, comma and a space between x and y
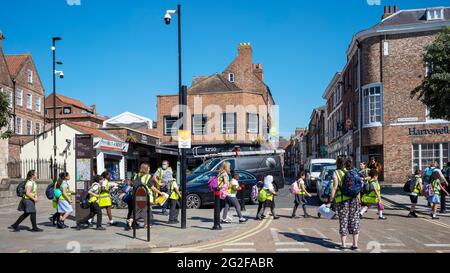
29, 127
67, 110
435, 14
372, 105
199, 124
228, 123
428, 117
386, 48
169, 128
425, 153
252, 123
30, 76
18, 126
231, 77
19, 97
38, 104
38, 128
29, 101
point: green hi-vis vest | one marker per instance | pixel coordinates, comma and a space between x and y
371, 198
173, 194
339, 196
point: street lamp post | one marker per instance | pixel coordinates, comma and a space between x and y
54, 73
182, 93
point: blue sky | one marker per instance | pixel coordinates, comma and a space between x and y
120, 55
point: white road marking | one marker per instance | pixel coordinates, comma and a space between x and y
274, 233
397, 251
392, 244
240, 244
437, 245
292, 250
239, 250
288, 243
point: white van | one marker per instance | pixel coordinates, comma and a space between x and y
314, 168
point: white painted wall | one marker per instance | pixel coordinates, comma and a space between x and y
63, 132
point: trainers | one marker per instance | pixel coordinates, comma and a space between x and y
14, 229
243, 220
276, 217
435, 217
382, 218
226, 221
415, 215
411, 215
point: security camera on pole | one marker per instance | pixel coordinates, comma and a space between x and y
182, 134
61, 75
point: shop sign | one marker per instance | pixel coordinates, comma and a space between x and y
184, 139
112, 145
424, 132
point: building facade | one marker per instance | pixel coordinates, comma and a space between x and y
295, 153
379, 117
317, 143
229, 109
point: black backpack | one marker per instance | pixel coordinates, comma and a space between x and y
409, 185
20, 190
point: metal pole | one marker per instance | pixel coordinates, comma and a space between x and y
134, 213
149, 207
54, 108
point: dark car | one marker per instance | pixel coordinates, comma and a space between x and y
199, 195
259, 166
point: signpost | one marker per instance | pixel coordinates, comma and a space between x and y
141, 201
84, 151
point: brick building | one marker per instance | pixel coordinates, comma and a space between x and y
5, 88
295, 153
224, 109
316, 142
379, 118
72, 110
25, 93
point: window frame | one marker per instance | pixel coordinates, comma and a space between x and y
257, 123
38, 105
30, 131
37, 128
19, 128
165, 126
204, 124
369, 124
29, 103
30, 76
420, 156
19, 97
231, 77
223, 130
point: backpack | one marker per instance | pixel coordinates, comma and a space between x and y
20, 190
213, 183
427, 175
327, 191
254, 192
262, 195
428, 191
49, 191
293, 189
57, 193
409, 185
352, 184
224, 191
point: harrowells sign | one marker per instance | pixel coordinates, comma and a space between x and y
424, 132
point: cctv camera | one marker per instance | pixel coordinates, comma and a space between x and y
61, 75
167, 18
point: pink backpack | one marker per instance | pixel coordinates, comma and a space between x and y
428, 191
224, 191
213, 183
293, 189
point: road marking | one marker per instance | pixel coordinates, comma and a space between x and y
292, 250
239, 250
240, 244
392, 244
321, 235
437, 245
274, 233
288, 243
397, 251
436, 223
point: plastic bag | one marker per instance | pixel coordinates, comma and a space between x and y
326, 212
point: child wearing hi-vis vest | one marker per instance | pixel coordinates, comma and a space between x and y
373, 197
267, 196
174, 202
300, 192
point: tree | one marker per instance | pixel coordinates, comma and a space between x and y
434, 91
4, 115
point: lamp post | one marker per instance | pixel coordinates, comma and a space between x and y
182, 98
61, 74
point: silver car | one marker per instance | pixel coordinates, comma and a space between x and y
325, 177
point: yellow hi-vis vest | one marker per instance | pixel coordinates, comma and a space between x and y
339, 196
300, 192
33, 189
173, 194
145, 179
69, 195
93, 199
372, 198
231, 190
105, 197
436, 187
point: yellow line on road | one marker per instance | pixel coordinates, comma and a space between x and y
436, 223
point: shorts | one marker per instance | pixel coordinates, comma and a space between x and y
435, 199
414, 199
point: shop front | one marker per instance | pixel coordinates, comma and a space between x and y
110, 156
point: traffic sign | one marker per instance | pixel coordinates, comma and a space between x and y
141, 198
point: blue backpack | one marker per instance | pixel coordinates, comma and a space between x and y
49, 191
352, 184
327, 191
427, 175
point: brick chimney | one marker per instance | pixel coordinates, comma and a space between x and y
258, 70
388, 11
245, 55
94, 109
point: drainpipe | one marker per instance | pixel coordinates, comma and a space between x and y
360, 101
14, 105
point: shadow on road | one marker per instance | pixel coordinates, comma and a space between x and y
325, 242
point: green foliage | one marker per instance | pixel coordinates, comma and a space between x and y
434, 91
4, 115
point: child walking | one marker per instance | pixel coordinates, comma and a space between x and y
414, 195
300, 192
269, 200
374, 196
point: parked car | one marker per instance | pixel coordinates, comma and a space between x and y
199, 195
326, 176
314, 168
259, 166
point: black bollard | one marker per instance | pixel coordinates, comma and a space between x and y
217, 212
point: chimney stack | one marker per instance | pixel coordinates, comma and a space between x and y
259, 71
94, 109
245, 54
388, 11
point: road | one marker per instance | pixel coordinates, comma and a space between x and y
396, 234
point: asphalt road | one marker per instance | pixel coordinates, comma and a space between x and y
396, 234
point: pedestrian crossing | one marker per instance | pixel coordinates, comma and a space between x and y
318, 239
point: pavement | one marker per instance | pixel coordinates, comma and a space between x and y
396, 234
